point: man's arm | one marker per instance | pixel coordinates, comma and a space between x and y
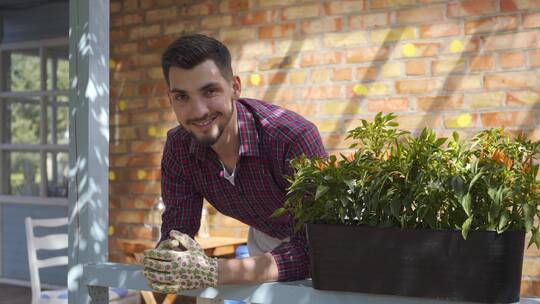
257, 269
183, 203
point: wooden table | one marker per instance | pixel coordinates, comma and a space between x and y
213, 246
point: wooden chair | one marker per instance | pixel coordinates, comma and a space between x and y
58, 242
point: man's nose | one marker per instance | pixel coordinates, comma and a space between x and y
199, 109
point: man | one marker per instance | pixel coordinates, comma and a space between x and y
235, 153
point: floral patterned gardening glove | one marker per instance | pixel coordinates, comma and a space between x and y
170, 269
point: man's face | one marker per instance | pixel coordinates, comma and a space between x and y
203, 100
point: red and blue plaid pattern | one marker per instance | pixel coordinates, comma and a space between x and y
270, 137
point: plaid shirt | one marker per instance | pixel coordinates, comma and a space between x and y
270, 137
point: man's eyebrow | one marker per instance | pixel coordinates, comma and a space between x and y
204, 87
209, 85
178, 91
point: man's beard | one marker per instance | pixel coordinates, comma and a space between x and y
209, 140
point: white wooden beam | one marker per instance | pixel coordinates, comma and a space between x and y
89, 142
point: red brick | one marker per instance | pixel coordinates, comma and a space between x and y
160, 14
216, 22
115, 7
511, 60
368, 54
302, 108
481, 63
388, 105
321, 92
534, 58
144, 160
341, 74
141, 146
472, 8
179, 27
369, 21
523, 98
259, 17
511, 80
513, 5
446, 66
417, 86
234, 6
277, 31
117, 35
439, 30
124, 216
140, 232
491, 24
391, 3
323, 25
144, 31
129, 5
277, 63
160, 42
147, 3
125, 48
145, 188
421, 15
463, 83
427, 104
127, 19
200, 9
152, 89
279, 94
149, 174
506, 119
415, 67
366, 73
277, 78
411, 122
511, 41
313, 59
343, 7
301, 12
531, 20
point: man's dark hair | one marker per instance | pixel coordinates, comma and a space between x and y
190, 50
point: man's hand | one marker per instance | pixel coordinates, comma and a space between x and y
179, 264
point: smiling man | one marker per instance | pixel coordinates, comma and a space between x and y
235, 152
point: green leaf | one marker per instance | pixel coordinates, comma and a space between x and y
535, 238
279, 212
528, 214
466, 203
474, 179
466, 227
321, 190
458, 185
502, 222
455, 136
351, 183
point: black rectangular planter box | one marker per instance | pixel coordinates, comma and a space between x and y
417, 262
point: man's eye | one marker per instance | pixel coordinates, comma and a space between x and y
211, 92
181, 97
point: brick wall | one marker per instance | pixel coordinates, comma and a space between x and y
448, 65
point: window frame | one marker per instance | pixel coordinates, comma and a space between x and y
42, 147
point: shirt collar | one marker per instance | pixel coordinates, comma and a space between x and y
247, 132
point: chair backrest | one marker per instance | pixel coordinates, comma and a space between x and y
48, 242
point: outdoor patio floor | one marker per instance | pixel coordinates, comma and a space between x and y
12, 294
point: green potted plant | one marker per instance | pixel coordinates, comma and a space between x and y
419, 215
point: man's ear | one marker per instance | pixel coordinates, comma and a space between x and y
237, 87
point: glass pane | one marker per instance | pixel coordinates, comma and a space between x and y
57, 68
24, 173
24, 71
57, 118
57, 169
22, 123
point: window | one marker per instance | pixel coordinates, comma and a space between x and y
34, 119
